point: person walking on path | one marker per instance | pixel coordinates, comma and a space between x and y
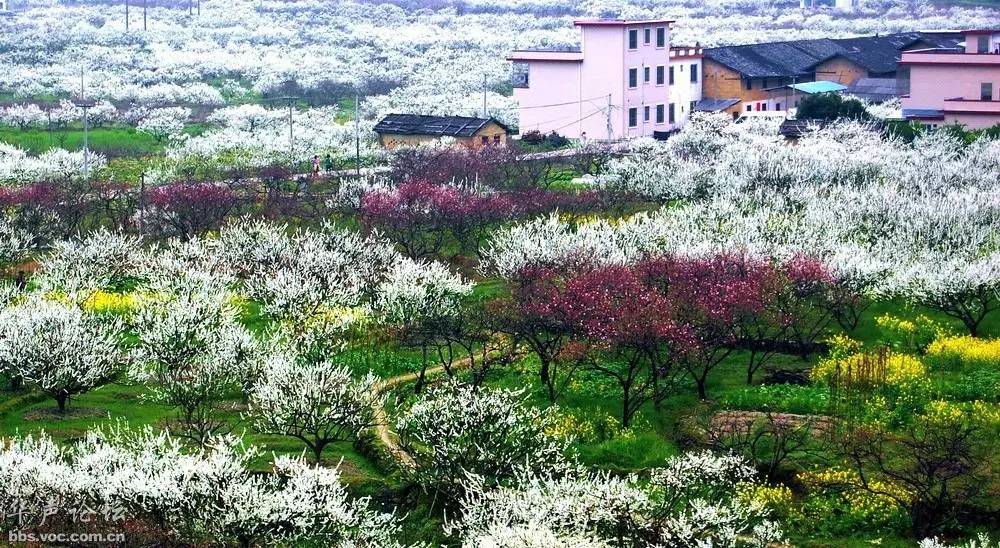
315, 172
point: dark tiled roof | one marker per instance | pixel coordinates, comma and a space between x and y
875, 89
773, 59
418, 124
876, 54
797, 128
714, 105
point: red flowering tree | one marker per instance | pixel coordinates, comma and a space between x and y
425, 218
48, 210
633, 328
534, 315
713, 297
808, 302
186, 209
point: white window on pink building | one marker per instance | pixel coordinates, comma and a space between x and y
633, 39
661, 37
633, 117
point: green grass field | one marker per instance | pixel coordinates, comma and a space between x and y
111, 141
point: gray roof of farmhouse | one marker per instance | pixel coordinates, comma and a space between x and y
875, 89
419, 124
876, 54
714, 105
793, 129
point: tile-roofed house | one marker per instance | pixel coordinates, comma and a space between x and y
748, 71
775, 59
875, 90
411, 129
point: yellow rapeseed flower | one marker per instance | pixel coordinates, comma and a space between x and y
964, 351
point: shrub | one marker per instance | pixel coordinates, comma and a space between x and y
533, 137
962, 352
787, 398
836, 504
890, 369
913, 336
831, 106
555, 140
977, 383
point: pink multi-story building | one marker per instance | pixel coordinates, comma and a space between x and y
625, 80
955, 86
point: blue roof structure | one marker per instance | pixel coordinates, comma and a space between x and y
821, 86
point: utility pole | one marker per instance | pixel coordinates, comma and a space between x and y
485, 115
357, 136
291, 135
48, 117
86, 105
610, 127
144, 27
126, 15
199, 8
142, 201
190, 7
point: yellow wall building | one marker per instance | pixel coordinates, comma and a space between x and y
401, 130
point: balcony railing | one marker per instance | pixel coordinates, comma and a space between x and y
971, 106
956, 58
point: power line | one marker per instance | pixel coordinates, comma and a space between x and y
555, 104
580, 120
561, 118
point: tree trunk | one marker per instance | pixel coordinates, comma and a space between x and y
61, 402
626, 414
318, 451
545, 374
702, 393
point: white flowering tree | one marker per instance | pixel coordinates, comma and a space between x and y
316, 403
22, 116
164, 123
59, 349
209, 494
455, 432
14, 243
692, 501
101, 260
19, 167
195, 355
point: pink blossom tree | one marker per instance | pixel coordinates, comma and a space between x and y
186, 209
